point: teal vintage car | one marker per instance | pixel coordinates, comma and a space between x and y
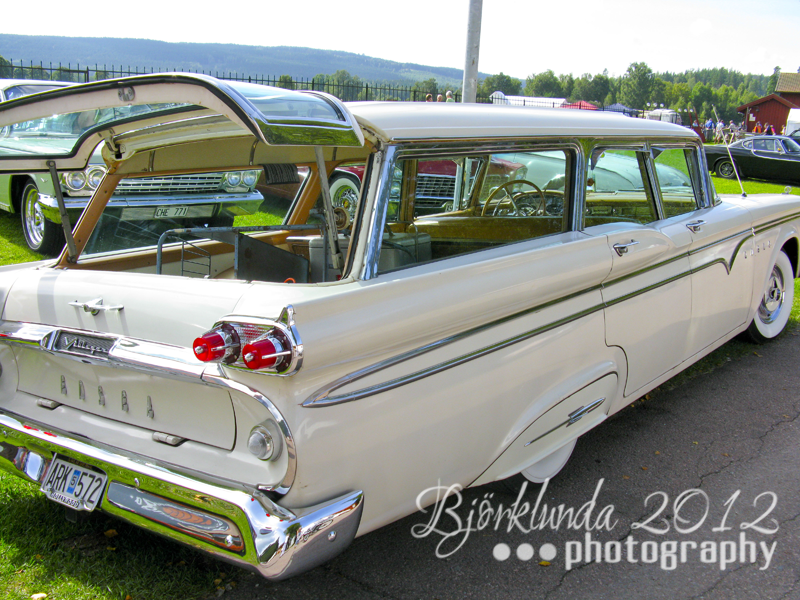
202, 199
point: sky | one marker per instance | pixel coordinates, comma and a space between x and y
518, 37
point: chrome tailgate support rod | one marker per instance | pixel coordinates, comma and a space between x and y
330, 218
72, 252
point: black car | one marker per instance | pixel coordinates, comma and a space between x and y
770, 157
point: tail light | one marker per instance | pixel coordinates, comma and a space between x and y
268, 352
221, 344
253, 344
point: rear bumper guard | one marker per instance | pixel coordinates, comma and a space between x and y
244, 527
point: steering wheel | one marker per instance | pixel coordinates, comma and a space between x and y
511, 197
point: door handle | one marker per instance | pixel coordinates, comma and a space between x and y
96, 306
695, 226
623, 248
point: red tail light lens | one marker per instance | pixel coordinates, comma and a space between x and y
266, 353
217, 345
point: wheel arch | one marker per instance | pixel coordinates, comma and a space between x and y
792, 249
17, 184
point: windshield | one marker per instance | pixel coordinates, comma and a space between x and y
791, 146
24, 89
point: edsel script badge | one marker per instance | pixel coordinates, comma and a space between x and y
83, 344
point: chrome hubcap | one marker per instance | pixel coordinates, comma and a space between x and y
347, 199
34, 218
772, 302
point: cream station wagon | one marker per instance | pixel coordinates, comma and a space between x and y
268, 393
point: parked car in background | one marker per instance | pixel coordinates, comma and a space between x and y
265, 394
207, 199
770, 157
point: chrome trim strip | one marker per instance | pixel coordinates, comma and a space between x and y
384, 161
776, 222
321, 397
274, 541
572, 418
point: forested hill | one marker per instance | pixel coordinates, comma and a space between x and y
249, 60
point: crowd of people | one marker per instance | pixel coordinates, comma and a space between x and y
720, 132
448, 97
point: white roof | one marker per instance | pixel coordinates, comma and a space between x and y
540, 101
7, 83
398, 121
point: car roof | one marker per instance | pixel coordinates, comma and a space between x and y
7, 83
399, 121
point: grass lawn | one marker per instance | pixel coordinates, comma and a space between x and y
104, 559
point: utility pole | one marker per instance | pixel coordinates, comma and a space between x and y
470, 85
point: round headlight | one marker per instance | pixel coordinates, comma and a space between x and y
234, 178
75, 180
250, 178
95, 177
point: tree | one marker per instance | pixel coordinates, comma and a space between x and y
422, 88
510, 86
6, 71
636, 85
773, 80
544, 84
286, 82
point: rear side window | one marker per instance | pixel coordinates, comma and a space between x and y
617, 189
456, 205
674, 169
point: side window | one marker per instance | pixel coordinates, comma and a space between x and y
450, 206
674, 171
616, 188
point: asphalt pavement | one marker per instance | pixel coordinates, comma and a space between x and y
692, 493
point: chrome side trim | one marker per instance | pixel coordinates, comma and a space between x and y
283, 487
221, 518
572, 418
322, 398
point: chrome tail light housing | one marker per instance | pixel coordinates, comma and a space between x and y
253, 344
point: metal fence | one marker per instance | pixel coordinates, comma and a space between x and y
345, 90
342, 89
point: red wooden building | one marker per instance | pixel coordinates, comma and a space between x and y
772, 109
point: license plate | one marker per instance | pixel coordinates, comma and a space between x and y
171, 212
74, 486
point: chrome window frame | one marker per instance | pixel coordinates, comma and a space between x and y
386, 159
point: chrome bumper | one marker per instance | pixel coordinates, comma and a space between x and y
234, 524
246, 202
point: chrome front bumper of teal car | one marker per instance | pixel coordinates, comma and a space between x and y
241, 526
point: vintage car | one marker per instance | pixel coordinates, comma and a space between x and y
770, 157
266, 394
213, 198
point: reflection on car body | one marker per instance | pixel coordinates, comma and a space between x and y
293, 386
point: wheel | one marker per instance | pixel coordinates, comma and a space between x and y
41, 235
725, 169
547, 468
776, 303
344, 192
511, 196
